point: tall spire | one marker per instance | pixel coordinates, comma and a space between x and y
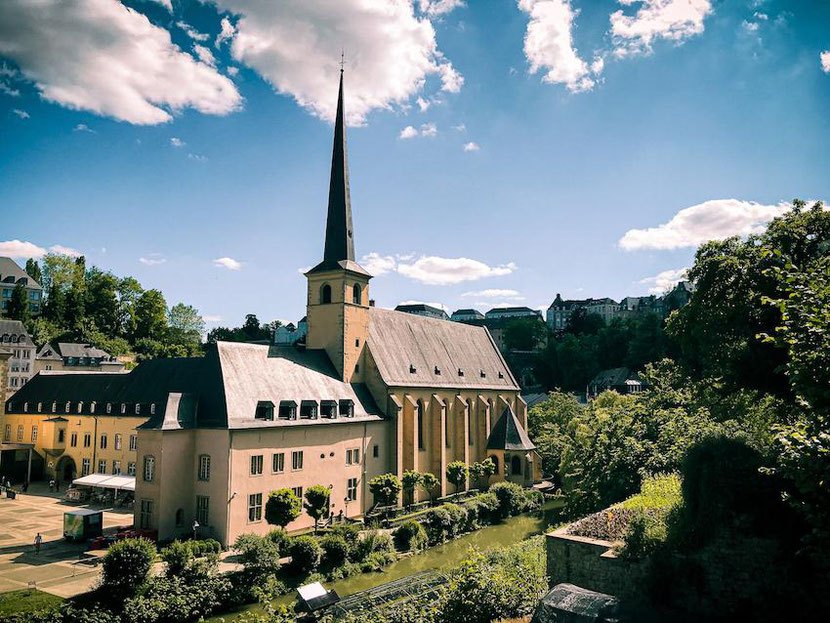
339, 238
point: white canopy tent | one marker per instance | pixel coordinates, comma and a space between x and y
104, 481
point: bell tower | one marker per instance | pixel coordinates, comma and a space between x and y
338, 287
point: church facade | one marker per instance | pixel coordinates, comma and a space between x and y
371, 391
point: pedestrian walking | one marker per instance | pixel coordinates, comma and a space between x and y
38, 541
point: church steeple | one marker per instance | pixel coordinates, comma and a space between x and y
339, 249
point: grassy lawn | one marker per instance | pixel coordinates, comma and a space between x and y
27, 601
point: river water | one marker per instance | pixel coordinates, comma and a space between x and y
443, 556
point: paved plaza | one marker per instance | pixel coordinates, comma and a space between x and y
60, 568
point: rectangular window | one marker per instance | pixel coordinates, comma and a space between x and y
204, 467
202, 506
7, 434
102, 466
20, 432
149, 468
61, 435
256, 465
34, 433
352, 456
116, 467
87, 440
103, 444
145, 517
73, 440
298, 491
278, 462
346, 408
297, 460
117, 441
376, 451
131, 468
255, 507
133, 442
85, 467
264, 411
351, 490
308, 410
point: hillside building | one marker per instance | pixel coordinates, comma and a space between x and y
12, 275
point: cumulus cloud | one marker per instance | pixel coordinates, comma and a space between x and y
664, 281
427, 129
711, 220
101, 56
227, 33
674, 20
21, 113
434, 8
6, 88
177, 142
192, 32
295, 45
549, 48
378, 264
167, 4
471, 146
408, 132
423, 105
460, 127
204, 54
82, 127
211, 318
825, 61
227, 262
495, 293
442, 271
154, 259
18, 249
197, 157
62, 250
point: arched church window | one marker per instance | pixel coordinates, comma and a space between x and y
356, 294
420, 424
470, 431
495, 460
325, 294
516, 465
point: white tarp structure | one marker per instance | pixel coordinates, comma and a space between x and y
104, 481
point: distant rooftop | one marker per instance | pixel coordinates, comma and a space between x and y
9, 269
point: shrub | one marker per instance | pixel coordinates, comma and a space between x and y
127, 565
376, 561
410, 536
371, 542
259, 555
317, 501
279, 538
458, 518
335, 550
349, 531
457, 473
282, 507
385, 488
510, 496
533, 501
305, 554
645, 533
438, 524
176, 556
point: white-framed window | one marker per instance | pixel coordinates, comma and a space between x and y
204, 467
7, 434
73, 440
152, 408
109, 407
256, 465
145, 516
102, 466
298, 491
34, 433
123, 408
278, 462
20, 432
103, 444
137, 409
353, 456
149, 468
131, 468
87, 440
297, 460
351, 489
133, 443
116, 467
202, 508
85, 465
254, 507
117, 441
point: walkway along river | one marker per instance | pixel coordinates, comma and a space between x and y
443, 556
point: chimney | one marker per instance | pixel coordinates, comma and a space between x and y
371, 302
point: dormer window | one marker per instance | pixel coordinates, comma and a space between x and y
137, 409
39, 407
80, 407
92, 406
412, 369
437, 370
264, 410
109, 407
308, 410
501, 375
482, 373
288, 410
347, 408
123, 408
25, 407
328, 409
460, 372
66, 407
153, 408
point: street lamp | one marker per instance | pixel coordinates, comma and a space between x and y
195, 528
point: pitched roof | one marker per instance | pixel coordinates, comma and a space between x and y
398, 340
72, 349
16, 328
468, 311
501, 311
613, 377
508, 434
10, 268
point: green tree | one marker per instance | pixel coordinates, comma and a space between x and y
186, 326
129, 291
457, 473
429, 483
283, 507
151, 315
481, 471
19, 305
525, 333
33, 270
102, 300
409, 482
317, 500
385, 488
126, 566
77, 294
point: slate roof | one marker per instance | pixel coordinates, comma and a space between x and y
10, 268
501, 311
614, 377
69, 349
467, 312
14, 327
398, 340
508, 434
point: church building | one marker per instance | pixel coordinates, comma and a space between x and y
371, 391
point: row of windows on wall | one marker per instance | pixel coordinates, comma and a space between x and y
103, 440
91, 408
255, 499
86, 466
470, 430
325, 294
309, 409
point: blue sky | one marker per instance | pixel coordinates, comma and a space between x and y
576, 147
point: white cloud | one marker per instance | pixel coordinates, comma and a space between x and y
197, 157
377, 264
460, 127
431, 304
423, 104
154, 259
227, 33
674, 20
433, 270
825, 61
167, 4
177, 142
296, 45
101, 56
434, 8
712, 220
750, 26
232, 71
227, 262
204, 54
192, 32
62, 250
18, 249
8, 90
211, 318
21, 113
665, 280
82, 127
496, 293
471, 146
548, 45
429, 130
408, 132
